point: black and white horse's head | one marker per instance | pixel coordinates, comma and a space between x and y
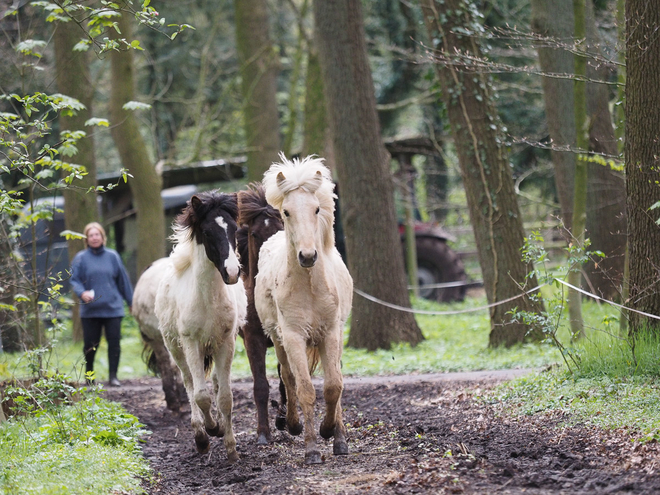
211, 220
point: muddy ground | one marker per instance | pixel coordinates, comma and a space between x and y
425, 434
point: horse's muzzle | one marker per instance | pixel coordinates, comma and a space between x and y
307, 261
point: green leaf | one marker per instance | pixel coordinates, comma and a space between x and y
28, 47
97, 121
82, 46
70, 234
136, 105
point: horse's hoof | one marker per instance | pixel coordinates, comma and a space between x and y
340, 448
263, 439
327, 431
202, 443
232, 457
216, 431
280, 422
295, 429
313, 457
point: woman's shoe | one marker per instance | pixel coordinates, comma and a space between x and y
114, 382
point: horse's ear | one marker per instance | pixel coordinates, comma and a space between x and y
280, 179
315, 182
195, 202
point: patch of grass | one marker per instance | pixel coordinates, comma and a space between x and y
86, 446
612, 388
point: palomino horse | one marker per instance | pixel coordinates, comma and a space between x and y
200, 305
303, 295
258, 221
157, 357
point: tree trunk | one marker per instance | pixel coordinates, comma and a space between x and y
487, 179
606, 194
316, 131
73, 79
259, 68
580, 187
375, 258
146, 184
642, 153
553, 20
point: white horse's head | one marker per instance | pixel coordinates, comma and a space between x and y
302, 190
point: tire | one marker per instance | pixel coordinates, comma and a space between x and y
438, 263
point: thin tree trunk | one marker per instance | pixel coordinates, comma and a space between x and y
259, 69
73, 79
553, 20
642, 152
375, 257
487, 179
146, 184
606, 194
580, 186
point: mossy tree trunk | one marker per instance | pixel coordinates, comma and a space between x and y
642, 156
259, 68
487, 178
146, 184
375, 257
73, 79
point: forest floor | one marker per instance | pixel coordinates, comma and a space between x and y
414, 434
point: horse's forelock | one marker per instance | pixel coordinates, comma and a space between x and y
188, 221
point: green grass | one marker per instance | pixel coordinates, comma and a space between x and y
89, 447
612, 388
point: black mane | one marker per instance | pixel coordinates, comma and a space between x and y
200, 205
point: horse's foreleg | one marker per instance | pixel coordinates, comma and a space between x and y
194, 356
296, 350
224, 400
196, 416
280, 417
333, 385
256, 346
292, 420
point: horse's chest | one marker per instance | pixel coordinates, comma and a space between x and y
312, 311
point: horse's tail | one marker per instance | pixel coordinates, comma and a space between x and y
149, 356
313, 359
208, 365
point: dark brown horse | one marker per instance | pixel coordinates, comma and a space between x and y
258, 221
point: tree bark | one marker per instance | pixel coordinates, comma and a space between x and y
146, 184
606, 194
73, 79
375, 258
642, 156
487, 178
259, 69
553, 20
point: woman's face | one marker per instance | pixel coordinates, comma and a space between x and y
94, 238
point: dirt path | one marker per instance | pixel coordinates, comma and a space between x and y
414, 434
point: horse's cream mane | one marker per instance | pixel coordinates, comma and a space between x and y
302, 174
182, 252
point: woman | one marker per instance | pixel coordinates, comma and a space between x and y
100, 281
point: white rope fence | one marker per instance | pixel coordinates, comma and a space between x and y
471, 310
440, 313
611, 303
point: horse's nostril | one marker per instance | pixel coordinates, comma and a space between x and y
307, 260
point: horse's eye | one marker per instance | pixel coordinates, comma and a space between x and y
318, 208
286, 213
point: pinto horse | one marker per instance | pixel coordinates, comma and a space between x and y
258, 221
200, 305
303, 295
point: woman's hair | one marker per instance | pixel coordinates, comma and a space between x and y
97, 226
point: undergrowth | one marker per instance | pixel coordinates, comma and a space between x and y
60, 439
